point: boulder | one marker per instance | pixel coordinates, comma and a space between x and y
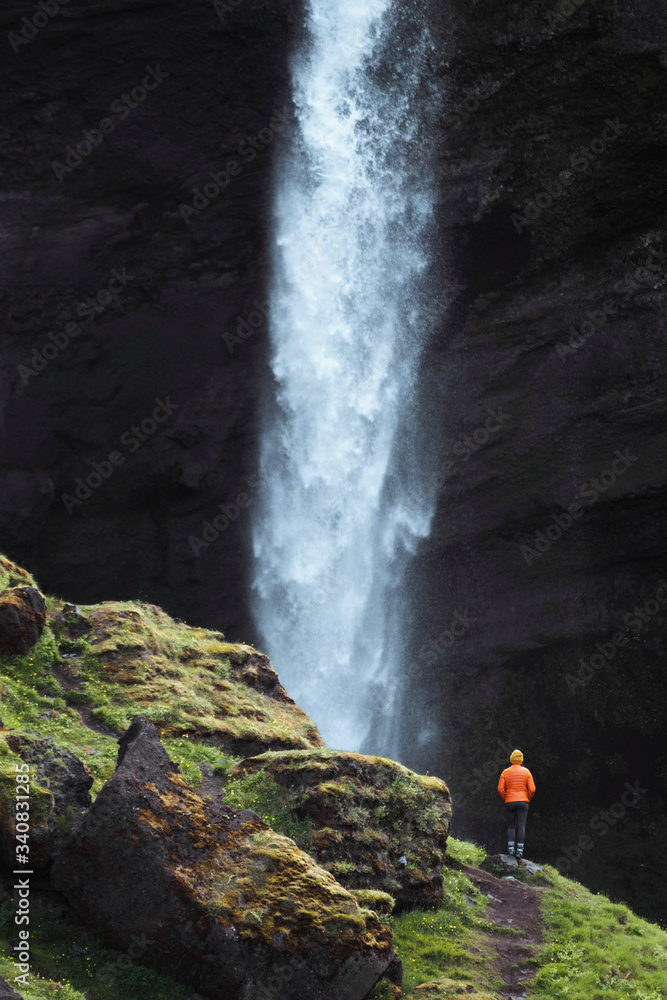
59, 796
370, 821
71, 622
6, 991
507, 866
12, 575
123, 657
22, 619
235, 909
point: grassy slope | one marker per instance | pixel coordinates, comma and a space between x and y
137, 659
593, 949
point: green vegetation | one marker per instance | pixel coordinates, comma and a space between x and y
103, 664
68, 961
272, 803
464, 852
447, 942
190, 754
595, 949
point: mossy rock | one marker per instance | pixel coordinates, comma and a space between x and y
234, 908
22, 619
12, 575
103, 664
372, 899
59, 795
372, 822
128, 657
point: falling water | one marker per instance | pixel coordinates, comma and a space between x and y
343, 502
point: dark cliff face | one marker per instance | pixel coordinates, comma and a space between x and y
553, 383
551, 361
167, 290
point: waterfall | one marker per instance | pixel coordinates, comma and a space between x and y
344, 500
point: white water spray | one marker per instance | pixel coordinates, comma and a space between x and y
343, 503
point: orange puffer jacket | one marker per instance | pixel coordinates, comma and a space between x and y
516, 784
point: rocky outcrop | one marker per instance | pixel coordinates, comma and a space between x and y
7, 992
12, 575
22, 619
120, 657
59, 796
232, 907
371, 822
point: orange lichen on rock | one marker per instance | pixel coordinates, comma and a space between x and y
235, 907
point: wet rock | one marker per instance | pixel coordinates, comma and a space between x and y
73, 622
507, 866
234, 908
7, 992
22, 619
59, 796
373, 823
507, 861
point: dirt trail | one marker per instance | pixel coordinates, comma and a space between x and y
511, 904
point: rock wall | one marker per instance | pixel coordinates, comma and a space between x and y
119, 113
541, 619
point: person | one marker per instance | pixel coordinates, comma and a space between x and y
516, 788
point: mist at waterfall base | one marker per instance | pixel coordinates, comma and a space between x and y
352, 305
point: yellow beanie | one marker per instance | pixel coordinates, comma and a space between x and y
516, 757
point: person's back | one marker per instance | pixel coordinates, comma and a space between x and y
517, 783
516, 788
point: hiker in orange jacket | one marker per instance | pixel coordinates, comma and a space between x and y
516, 788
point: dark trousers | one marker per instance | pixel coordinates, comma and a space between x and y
517, 813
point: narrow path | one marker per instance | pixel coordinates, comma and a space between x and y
90, 722
511, 904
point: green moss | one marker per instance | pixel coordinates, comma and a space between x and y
464, 852
12, 575
380, 902
343, 868
41, 799
272, 802
29, 668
